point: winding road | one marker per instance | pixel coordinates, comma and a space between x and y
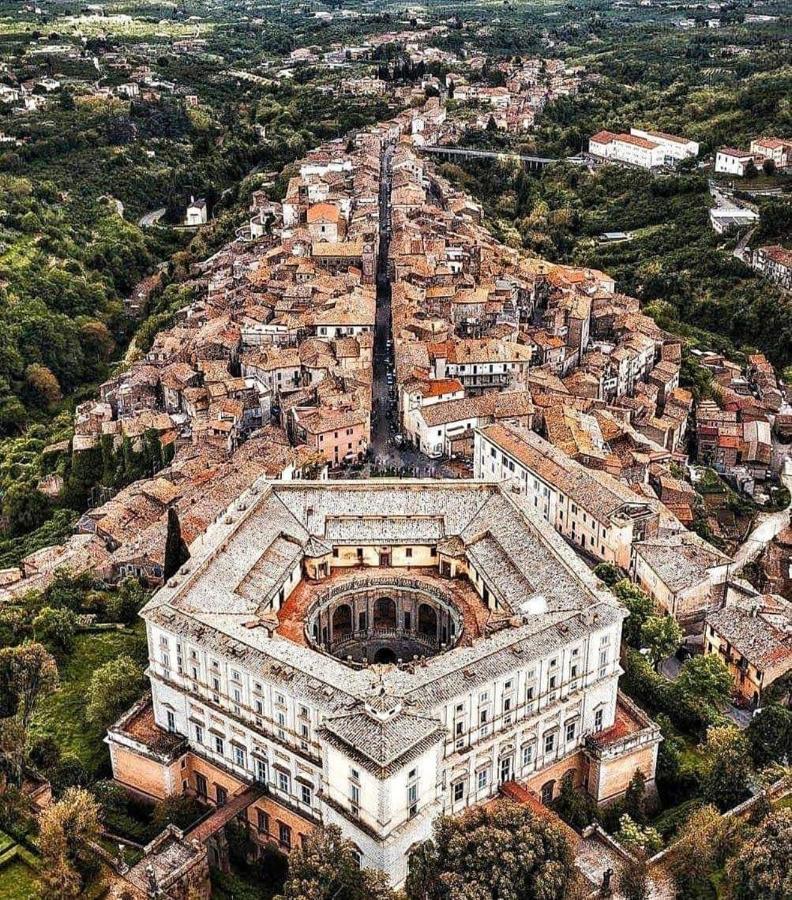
768, 526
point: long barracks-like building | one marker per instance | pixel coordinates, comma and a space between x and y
375, 654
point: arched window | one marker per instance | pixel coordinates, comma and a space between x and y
548, 788
427, 621
342, 621
385, 614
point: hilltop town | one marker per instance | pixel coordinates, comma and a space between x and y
383, 511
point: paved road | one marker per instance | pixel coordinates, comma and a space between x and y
385, 456
767, 527
151, 218
383, 390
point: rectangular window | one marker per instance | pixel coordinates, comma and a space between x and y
284, 835
284, 782
201, 787
305, 794
598, 720
222, 795
263, 821
171, 720
219, 745
412, 799
459, 791
481, 779
570, 731
527, 754
239, 756
261, 771
549, 743
199, 734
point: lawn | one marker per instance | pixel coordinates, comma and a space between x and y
62, 714
17, 871
17, 881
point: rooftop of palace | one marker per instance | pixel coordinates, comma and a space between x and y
221, 600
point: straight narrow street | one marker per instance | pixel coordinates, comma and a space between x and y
389, 456
382, 427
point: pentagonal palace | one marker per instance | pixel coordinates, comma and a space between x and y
374, 654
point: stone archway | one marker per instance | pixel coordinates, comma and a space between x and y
385, 614
384, 656
427, 621
342, 621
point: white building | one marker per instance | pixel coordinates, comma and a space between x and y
732, 162
726, 218
301, 672
196, 212
674, 148
780, 151
592, 509
627, 148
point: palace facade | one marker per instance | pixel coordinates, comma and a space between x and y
375, 654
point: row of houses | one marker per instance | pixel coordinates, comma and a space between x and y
268, 371
471, 316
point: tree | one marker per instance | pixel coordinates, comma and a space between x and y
500, 850
55, 628
726, 767
750, 170
24, 508
635, 797
114, 687
769, 166
124, 603
12, 752
42, 385
640, 838
574, 807
699, 846
634, 878
661, 635
177, 810
67, 590
610, 573
176, 552
640, 607
770, 735
27, 673
763, 867
68, 830
706, 679
325, 867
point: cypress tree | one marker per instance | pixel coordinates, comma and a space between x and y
176, 552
